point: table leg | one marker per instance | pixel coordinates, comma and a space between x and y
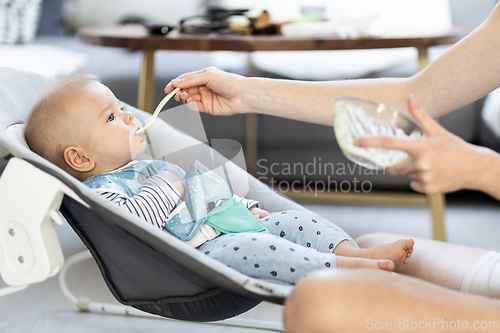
145, 99
423, 58
436, 203
251, 130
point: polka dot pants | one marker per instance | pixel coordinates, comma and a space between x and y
299, 244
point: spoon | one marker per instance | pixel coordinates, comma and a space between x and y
157, 111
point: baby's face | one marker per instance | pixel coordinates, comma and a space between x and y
108, 134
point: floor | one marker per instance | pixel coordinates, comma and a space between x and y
42, 307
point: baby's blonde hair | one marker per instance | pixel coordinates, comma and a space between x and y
49, 128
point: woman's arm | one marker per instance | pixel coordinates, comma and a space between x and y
468, 71
487, 172
465, 73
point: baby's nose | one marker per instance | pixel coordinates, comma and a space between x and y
128, 116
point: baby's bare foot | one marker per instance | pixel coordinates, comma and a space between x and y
398, 252
352, 262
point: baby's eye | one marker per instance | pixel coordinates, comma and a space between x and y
122, 108
111, 117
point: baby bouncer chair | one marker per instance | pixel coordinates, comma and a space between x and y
145, 268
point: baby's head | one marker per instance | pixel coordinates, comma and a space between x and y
80, 126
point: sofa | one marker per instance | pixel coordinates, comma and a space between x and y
282, 143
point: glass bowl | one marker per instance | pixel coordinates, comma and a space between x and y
356, 117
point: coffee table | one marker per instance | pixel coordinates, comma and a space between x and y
136, 37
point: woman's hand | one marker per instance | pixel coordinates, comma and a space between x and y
210, 90
259, 213
437, 163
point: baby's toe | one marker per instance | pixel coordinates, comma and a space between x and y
387, 265
409, 244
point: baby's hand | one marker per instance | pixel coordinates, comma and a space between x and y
259, 213
172, 179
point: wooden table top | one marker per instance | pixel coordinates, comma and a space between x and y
136, 37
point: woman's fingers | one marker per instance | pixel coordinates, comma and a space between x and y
184, 96
420, 187
413, 148
177, 96
407, 145
193, 90
195, 106
170, 86
405, 167
423, 182
189, 80
194, 79
416, 186
194, 97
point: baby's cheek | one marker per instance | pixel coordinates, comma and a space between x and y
137, 148
144, 145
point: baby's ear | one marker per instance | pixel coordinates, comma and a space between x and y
76, 159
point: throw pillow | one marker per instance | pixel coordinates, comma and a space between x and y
18, 20
51, 18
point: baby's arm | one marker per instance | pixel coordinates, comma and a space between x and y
155, 201
253, 206
249, 203
174, 180
259, 213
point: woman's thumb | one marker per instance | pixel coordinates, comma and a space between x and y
428, 123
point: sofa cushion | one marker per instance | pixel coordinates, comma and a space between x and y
79, 13
491, 112
47, 60
51, 18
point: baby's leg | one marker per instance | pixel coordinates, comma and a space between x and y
272, 258
306, 230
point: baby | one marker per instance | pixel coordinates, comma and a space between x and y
80, 126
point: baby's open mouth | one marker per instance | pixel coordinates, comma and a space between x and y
138, 136
136, 128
